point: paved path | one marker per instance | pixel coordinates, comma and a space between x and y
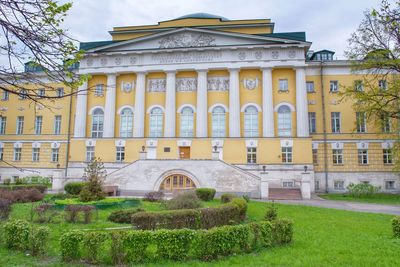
344, 205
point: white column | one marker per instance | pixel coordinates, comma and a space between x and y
138, 116
267, 103
80, 114
234, 103
201, 109
109, 111
169, 128
301, 103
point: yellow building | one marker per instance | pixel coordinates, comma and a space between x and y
203, 101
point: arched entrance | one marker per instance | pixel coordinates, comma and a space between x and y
177, 182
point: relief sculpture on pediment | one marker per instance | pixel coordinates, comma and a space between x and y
187, 40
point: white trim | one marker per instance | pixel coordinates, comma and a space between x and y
35, 145
132, 108
90, 142
362, 145
292, 109
184, 142
337, 145
120, 143
251, 143
155, 106
1, 145
217, 142
286, 143
385, 145
210, 109
94, 108
17, 145
151, 143
251, 104
184, 106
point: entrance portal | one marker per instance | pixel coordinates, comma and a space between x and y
177, 182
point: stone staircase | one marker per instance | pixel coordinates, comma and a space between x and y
284, 194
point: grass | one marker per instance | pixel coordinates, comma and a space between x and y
379, 198
322, 237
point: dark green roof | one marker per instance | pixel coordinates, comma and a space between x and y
90, 45
202, 16
298, 36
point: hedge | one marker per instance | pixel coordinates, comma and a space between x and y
135, 246
396, 226
74, 188
225, 198
123, 216
205, 194
204, 218
42, 188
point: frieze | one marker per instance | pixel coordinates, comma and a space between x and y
156, 85
187, 40
218, 83
186, 84
187, 57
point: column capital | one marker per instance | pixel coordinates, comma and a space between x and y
233, 69
202, 70
170, 71
141, 72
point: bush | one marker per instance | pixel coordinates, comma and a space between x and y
135, 245
174, 219
118, 253
41, 188
92, 242
7, 181
91, 193
61, 196
16, 234
396, 226
5, 208
247, 198
174, 244
362, 190
72, 213
74, 188
154, 196
21, 195
45, 212
271, 214
123, 216
95, 174
38, 240
282, 231
225, 198
241, 204
69, 243
20, 181
223, 215
205, 194
185, 200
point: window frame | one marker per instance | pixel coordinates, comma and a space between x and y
126, 123
310, 87
35, 154
17, 154
55, 154
186, 122
120, 154
90, 150
336, 122
387, 154
287, 154
218, 122
312, 122
338, 182
361, 122
156, 121
251, 155
337, 156
250, 119
3, 124
283, 85
362, 155
333, 86
284, 119
20, 125
99, 90
57, 124
97, 126
38, 124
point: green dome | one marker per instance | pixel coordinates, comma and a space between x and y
202, 16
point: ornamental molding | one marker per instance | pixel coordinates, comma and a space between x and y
337, 145
186, 57
250, 84
187, 40
186, 84
312, 102
287, 143
127, 87
90, 142
218, 83
156, 85
55, 145
387, 145
184, 142
3, 108
362, 145
120, 143
151, 143
35, 145
251, 143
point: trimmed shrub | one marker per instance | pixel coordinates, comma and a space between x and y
45, 212
61, 196
282, 231
16, 234
38, 240
92, 242
271, 214
22, 195
205, 194
185, 200
241, 204
123, 216
225, 198
118, 253
40, 187
223, 215
74, 188
7, 181
154, 196
175, 219
72, 213
135, 244
396, 226
69, 243
174, 244
362, 190
5, 208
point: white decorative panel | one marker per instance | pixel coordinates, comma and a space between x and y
250, 83
387, 145
90, 142
151, 143
186, 84
184, 142
35, 145
218, 83
314, 145
187, 40
55, 145
287, 143
337, 145
251, 143
18, 145
120, 143
362, 145
156, 85
1, 145
217, 142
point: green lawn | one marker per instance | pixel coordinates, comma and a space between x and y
322, 237
380, 198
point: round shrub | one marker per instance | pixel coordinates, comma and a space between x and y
362, 190
186, 200
123, 216
38, 240
241, 204
154, 196
225, 198
74, 188
16, 234
205, 194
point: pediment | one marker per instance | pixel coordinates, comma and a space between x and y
190, 38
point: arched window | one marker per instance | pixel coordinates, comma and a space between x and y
251, 122
284, 121
126, 123
218, 122
187, 122
97, 123
156, 122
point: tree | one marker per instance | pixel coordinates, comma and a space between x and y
374, 49
95, 175
31, 32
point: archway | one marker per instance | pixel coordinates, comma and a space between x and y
177, 182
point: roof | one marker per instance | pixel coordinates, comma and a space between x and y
90, 45
202, 16
298, 36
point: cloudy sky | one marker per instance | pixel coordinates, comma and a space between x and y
328, 24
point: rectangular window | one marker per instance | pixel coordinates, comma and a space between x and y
20, 125
310, 87
315, 156
337, 156
23, 94
358, 86
382, 84
3, 124
387, 156
251, 155
316, 183
361, 122
286, 154
386, 125
312, 122
283, 85
38, 124
333, 86
338, 185
1, 153
41, 93
99, 90
57, 124
335, 122
17, 153
5, 96
287, 184
390, 185
55, 154
363, 156
60, 92
35, 154
89, 153
120, 153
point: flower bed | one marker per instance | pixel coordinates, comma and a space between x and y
100, 204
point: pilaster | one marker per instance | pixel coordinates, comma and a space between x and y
201, 114
170, 106
81, 109
109, 111
267, 103
138, 117
301, 103
234, 103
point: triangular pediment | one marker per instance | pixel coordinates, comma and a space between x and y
190, 38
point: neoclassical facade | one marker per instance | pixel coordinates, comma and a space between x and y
203, 101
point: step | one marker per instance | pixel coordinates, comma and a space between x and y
284, 194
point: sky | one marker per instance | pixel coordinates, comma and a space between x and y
328, 24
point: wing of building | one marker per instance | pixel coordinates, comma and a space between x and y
203, 101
